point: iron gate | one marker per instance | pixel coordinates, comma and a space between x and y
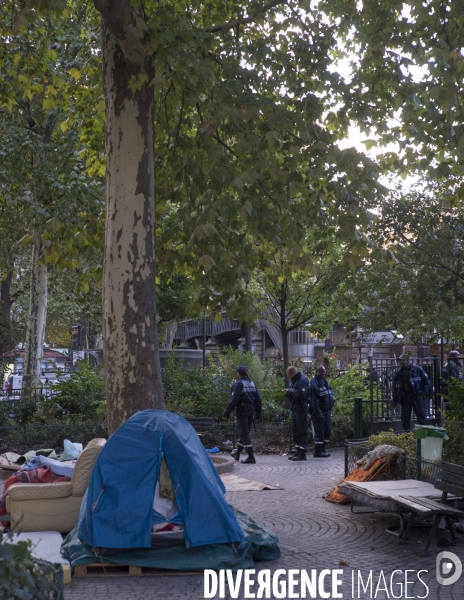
380, 382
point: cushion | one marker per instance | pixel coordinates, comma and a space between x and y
36, 491
84, 466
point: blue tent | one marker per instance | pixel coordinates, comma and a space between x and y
117, 510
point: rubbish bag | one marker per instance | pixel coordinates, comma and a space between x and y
72, 450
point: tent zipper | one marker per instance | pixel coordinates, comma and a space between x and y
95, 504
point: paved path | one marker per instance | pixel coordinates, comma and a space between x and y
313, 534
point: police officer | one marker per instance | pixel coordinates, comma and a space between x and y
410, 386
297, 394
454, 366
322, 401
246, 401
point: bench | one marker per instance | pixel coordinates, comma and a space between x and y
450, 481
200, 424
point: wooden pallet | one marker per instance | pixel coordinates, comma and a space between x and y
114, 570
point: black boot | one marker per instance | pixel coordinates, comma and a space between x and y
292, 454
301, 455
251, 457
324, 453
317, 451
236, 452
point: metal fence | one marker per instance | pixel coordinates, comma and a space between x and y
274, 435
405, 467
380, 382
22, 438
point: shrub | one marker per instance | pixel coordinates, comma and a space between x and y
406, 441
198, 391
455, 399
453, 448
76, 398
23, 578
454, 422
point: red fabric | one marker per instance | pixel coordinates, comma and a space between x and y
168, 527
40, 475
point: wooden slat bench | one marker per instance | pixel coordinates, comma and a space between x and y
200, 424
450, 481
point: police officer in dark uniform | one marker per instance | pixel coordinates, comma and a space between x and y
322, 401
450, 372
246, 401
410, 387
297, 394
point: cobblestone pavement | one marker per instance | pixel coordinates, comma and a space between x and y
313, 534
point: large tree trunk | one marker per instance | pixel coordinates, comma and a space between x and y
5, 316
35, 335
132, 368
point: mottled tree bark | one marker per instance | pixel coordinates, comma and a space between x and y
132, 368
35, 335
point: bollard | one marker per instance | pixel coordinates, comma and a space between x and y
358, 418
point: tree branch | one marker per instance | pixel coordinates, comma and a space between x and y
244, 20
437, 263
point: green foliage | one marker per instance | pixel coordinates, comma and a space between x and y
77, 398
245, 157
25, 411
4, 414
195, 391
173, 299
303, 298
346, 387
453, 448
192, 391
455, 399
454, 423
424, 235
267, 377
406, 441
21, 577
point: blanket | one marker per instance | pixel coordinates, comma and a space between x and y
233, 483
42, 474
65, 469
369, 468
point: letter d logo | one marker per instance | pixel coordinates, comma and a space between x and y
446, 567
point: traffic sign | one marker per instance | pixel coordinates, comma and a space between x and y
377, 337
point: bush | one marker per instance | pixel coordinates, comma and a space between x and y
453, 448
346, 387
454, 423
22, 577
455, 399
77, 398
197, 391
406, 441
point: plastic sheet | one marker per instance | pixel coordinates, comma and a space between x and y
259, 544
422, 431
72, 450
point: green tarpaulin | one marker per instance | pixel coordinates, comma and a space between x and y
259, 544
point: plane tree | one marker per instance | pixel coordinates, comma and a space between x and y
238, 109
48, 74
420, 291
